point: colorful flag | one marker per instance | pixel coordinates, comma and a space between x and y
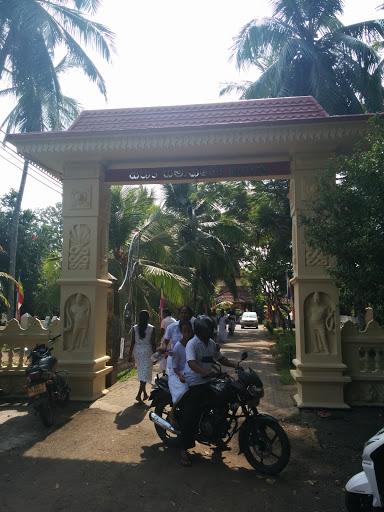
290, 295
19, 298
161, 302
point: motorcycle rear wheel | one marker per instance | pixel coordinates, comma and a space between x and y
358, 502
266, 447
162, 409
46, 412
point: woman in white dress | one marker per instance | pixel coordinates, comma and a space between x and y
144, 345
222, 326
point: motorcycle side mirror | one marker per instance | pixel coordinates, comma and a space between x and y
244, 356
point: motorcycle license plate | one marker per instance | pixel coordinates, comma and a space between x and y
38, 389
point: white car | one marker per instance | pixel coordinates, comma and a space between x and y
249, 319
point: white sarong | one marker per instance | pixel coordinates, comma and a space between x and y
176, 387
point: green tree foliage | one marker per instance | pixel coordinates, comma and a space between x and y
32, 33
40, 234
261, 236
348, 222
269, 253
47, 298
201, 238
305, 50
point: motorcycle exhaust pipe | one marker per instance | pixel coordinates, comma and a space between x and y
163, 423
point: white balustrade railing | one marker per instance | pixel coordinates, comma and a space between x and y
363, 354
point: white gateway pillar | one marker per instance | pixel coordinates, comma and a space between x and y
84, 283
319, 372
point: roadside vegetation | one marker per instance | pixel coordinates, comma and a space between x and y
126, 374
283, 352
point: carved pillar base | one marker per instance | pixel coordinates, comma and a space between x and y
320, 385
87, 378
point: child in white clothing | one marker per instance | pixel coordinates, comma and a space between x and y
176, 380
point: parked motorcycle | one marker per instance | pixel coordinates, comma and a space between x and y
365, 490
261, 438
46, 386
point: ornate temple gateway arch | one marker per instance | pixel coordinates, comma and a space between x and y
288, 138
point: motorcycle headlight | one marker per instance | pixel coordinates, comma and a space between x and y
255, 391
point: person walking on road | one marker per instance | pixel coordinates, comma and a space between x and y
144, 345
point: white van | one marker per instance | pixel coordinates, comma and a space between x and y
249, 319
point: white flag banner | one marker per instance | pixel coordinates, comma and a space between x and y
122, 343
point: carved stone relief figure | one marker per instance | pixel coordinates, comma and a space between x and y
319, 324
314, 258
79, 247
81, 198
76, 322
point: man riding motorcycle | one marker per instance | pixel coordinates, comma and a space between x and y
201, 351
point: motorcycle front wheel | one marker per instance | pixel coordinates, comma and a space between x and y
46, 412
162, 409
266, 446
358, 502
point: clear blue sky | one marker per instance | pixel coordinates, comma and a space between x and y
169, 52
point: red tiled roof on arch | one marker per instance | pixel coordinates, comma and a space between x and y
212, 114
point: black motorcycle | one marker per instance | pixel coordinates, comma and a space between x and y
45, 385
230, 407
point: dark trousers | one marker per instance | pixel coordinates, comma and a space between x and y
191, 413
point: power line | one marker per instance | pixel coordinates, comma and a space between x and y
32, 167
8, 148
31, 175
20, 159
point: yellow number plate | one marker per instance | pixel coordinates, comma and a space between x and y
37, 389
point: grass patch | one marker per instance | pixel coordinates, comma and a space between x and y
126, 374
283, 351
285, 377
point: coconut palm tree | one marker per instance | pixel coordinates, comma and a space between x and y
200, 237
304, 49
32, 33
143, 251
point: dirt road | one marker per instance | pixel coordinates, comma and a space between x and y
108, 458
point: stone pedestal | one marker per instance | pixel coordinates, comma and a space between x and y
84, 283
319, 372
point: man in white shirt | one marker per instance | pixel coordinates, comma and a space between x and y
199, 349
